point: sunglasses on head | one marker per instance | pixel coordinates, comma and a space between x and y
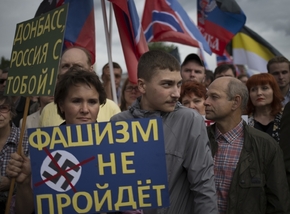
2, 81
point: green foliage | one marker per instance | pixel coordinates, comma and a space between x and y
5, 63
161, 46
172, 49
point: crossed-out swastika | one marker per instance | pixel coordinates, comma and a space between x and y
61, 170
67, 164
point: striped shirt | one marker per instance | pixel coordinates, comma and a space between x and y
225, 162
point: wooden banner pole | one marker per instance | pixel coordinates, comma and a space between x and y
19, 150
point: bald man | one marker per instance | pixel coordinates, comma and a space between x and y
79, 57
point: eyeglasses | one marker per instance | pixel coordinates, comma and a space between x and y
2, 81
131, 88
4, 108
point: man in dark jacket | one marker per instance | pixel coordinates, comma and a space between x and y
285, 139
248, 165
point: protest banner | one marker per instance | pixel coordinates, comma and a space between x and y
35, 55
34, 62
100, 167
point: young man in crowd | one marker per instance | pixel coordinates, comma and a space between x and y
279, 67
188, 157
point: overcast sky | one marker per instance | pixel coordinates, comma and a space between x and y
270, 19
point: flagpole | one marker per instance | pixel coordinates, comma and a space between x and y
110, 25
112, 76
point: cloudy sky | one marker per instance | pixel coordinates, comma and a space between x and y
267, 17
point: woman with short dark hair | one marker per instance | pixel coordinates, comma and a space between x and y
78, 96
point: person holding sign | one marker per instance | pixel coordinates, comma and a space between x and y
188, 156
75, 56
9, 138
78, 96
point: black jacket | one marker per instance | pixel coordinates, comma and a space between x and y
285, 139
259, 182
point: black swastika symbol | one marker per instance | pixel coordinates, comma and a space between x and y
67, 164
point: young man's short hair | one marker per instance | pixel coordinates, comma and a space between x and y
153, 60
277, 59
224, 67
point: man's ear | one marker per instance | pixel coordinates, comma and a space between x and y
237, 102
92, 68
141, 85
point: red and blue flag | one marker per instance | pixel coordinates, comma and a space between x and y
224, 59
219, 21
166, 20
80, 24
131, 34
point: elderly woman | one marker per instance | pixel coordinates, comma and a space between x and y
192, 95
78, 96
264, 106
130, 92
9, 138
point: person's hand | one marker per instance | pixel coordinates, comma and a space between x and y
19, 167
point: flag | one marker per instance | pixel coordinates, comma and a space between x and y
80, 24
219, 21
166, 20
225, 58
252, 50
131, 34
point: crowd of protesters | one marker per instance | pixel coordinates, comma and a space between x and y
233, 166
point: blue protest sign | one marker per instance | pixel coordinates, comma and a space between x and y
100, 167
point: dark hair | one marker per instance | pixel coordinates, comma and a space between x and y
115, 65
123, 101
73, 77
153, 60
209, 75
192, 86
224, 67
263, 79
240, 76
88, 54
9, 101
277, 59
